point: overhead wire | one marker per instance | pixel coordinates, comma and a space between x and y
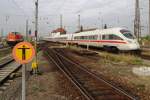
16, 4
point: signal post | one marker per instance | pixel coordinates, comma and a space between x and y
23, 53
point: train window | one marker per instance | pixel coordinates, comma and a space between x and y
61, 38
117, 37
15, 33
90, 37
111, 37
77, 38
82, 37
105, 37
85, 37
128, 35
93, 37
114, 37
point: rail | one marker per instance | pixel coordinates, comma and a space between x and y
89, 84
7, 67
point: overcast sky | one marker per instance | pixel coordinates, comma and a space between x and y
114, 13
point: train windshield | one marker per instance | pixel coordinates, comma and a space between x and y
15, 32
127, 34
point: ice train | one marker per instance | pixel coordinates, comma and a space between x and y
114, 39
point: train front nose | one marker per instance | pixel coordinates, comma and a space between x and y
134, 45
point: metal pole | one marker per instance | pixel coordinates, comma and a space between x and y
135, 20
137, 24
27, 30
36, 31
99, 20
139, 18
118, 21
149, 17
79, 26
61, 26
6, 25
102, 23
88, 44
1, 32
24, 82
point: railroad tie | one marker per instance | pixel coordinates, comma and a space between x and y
3, 88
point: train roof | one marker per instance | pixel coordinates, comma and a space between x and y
90, 32
104, 31
14, 32
85, 30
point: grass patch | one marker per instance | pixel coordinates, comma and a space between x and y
5, 53
75, 48
129, 59
35, 88
146, 38
120, 58
140, 87
145, 41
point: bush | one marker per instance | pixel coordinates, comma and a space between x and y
146, 38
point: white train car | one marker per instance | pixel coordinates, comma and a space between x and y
110, 39
113, 38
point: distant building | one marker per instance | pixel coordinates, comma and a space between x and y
61, 30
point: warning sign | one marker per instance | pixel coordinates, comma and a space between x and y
23, 52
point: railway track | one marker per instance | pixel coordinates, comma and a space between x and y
89, 84
5, 61
146, 57
5, 48
7, 67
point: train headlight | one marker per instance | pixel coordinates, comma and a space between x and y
129, 41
